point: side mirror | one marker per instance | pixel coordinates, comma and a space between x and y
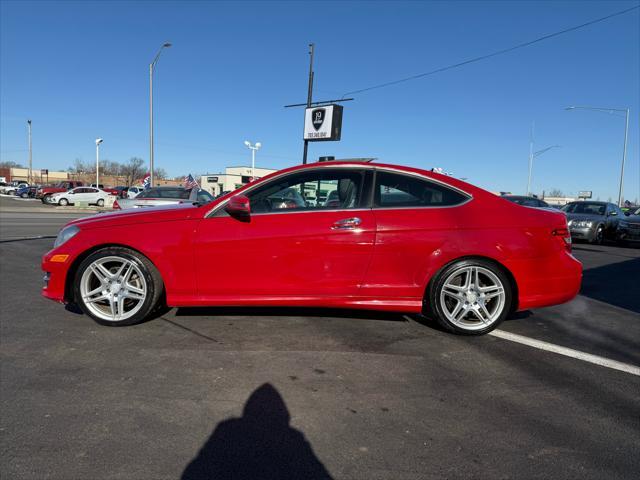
239, 207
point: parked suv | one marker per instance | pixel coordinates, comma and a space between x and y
44, 193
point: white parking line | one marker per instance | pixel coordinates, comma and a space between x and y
569, 352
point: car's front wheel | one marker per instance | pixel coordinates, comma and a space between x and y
470, 297
598, 236
116, 286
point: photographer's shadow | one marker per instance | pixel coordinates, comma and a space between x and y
259, 445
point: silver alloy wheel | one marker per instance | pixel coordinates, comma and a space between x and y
472, 298
113, 288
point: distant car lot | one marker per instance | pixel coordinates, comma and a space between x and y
375, 395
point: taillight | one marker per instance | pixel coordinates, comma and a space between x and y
565, 235
116, 205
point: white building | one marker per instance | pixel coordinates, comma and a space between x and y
231, 179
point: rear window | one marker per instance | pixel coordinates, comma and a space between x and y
396, 190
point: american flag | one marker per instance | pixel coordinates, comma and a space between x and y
146, 181
190, 182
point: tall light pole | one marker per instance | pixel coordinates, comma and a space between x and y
626, 134
30, 157
98, 142
253, 149
151, 69
534, 155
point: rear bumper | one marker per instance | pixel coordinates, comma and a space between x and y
545, 282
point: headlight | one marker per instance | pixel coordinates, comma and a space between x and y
65, 234
581, 223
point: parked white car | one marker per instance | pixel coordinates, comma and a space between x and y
133, 192
93, 196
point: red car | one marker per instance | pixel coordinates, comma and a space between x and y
365, 235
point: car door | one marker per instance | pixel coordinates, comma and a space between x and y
415, 222
613, 218
294, 244
75, 195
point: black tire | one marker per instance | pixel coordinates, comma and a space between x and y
151, 275
100, 203
24, 195
63, 202
435, 310
598, 236
45, 199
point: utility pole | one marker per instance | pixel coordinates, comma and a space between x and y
309, 98
30, 156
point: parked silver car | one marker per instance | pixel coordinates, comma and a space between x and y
592, 221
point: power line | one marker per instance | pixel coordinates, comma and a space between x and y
494, 54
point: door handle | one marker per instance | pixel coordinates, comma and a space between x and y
346, 224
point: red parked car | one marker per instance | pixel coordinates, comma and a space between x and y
365, 235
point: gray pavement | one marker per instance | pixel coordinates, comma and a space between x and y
354, 395
30, 218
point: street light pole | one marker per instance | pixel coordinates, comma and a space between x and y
626, 134
30, 157
533, 125
151, 69
98, 142
532, 157
253, 149
624, 156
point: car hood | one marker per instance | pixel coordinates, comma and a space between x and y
584, 216
138, 216
635, 219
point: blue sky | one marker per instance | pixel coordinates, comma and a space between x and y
79, 70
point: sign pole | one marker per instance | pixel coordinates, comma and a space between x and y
309, 97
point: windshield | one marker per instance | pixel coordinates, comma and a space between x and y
586, 208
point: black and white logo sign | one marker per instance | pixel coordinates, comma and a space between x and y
317, 117
322, 123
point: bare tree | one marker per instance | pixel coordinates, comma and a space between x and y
555, 192
133, 171
160, 173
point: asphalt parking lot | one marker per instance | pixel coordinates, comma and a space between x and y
335, 394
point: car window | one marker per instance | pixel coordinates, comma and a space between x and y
396, 190
91, 190
79, 190
321, 189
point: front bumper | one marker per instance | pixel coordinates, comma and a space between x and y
628, 234
55, 276
582, 233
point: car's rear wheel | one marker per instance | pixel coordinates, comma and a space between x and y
470, 297
101, 202
63, 202
116, 286
24, 195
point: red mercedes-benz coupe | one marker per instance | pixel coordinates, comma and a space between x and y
331, 234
